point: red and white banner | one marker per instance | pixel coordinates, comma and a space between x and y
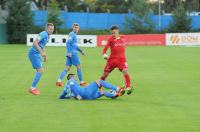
185, 39
137, 40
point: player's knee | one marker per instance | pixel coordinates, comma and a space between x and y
125, 71
41, 70
78, 66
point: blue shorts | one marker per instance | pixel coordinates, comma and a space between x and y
35, 60
91, 91
74, 60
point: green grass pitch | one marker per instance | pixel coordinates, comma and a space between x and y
166, 99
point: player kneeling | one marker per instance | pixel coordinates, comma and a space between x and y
93, 91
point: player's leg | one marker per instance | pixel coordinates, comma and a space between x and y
36, 79
110, 95
79, 73
62, 75
64, 72
120, 90
105, 75
127, 81
107, 85
110, 66
77, 63
37, 64
123, 67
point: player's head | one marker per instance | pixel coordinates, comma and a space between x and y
114, 30
70, 76
50, 28
75, 27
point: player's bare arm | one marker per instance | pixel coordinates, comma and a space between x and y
42, 52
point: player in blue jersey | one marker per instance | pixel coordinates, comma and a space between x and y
36, 52
92, 91
72, 56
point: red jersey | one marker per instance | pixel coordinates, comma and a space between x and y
117, 47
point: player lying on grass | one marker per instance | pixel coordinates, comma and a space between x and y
117, 58
34, 54
93, 91
72, 57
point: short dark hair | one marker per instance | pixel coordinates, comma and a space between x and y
69, 76
113, 27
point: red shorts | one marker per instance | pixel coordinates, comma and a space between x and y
111, 64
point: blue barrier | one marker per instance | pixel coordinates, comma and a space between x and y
102, 20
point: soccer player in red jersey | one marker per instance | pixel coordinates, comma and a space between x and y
117, 58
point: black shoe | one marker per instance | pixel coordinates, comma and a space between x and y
130, 90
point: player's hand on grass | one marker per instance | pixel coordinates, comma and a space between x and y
105, 56
78, 97
69, 55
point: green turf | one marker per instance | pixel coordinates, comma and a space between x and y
166, 99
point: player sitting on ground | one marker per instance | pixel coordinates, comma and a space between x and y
93, 91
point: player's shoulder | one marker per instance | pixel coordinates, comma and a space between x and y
43, 34
111, 38
72, 34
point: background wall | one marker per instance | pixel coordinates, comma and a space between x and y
102, 20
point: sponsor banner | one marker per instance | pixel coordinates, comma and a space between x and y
137, 40
185, 39
60, 40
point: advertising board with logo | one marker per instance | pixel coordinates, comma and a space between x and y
185, 39
60, 40
137, 40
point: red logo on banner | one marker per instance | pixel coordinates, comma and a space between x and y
137, 40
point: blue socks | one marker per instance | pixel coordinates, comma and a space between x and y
108, 85
62, 75
109, 95
64, 72
79, 73
36, 79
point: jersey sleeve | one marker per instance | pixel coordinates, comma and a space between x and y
79, 49
106, 47
73, 88
41, 36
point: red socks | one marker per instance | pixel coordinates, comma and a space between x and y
103, 78
127, 80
